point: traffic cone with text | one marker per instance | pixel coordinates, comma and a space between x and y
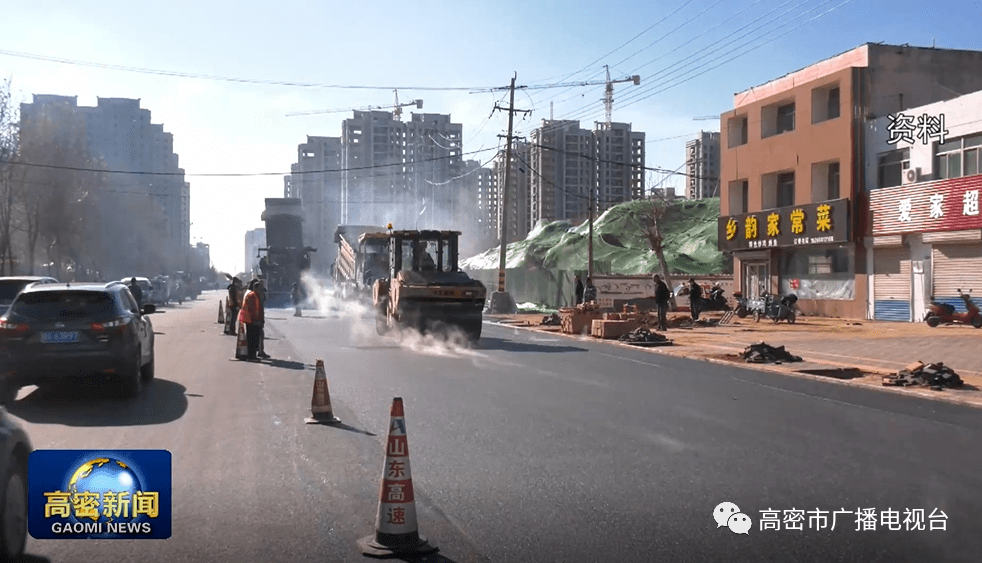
396, 533
241, 344
221, 312
321, 411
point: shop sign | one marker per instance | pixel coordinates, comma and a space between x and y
945, 205
800, 225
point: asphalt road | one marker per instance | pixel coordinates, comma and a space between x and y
529, 447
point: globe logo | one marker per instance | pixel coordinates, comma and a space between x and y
105, 490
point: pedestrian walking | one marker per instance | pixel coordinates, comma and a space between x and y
590, 292
662, 295
297, 298
261, 291
250, 314
137, 292
579, 290
234, 304
695, 298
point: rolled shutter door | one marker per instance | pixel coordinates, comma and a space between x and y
891, 284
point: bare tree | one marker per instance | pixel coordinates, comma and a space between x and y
651, 220
9, 142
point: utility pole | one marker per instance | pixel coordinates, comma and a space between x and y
501, 302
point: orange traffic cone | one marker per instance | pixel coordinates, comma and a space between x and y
242, 345
396, 532
221, 312
321, 411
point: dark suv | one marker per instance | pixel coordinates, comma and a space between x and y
10, 286
54, 334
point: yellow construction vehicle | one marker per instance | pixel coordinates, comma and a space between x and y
425, 289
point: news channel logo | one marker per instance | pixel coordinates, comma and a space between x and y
99, 494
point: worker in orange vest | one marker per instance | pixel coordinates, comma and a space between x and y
251, 315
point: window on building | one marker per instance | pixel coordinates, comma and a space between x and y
958, 157
891, 167
833, 180
785, 118
736, 131
785, 189
833, 105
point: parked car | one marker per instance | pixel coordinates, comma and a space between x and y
10, 286
54, 334
16, 449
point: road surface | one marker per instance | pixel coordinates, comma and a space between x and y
530, 447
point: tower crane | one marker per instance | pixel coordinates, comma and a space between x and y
609, 92
396, 109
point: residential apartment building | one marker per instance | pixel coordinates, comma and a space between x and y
435, 169
254, 240
316, 179
562, 158
487, 207
374, 185
119, 133
519, 219
794, 208
924, 177
702, 166
200, 258
620, 164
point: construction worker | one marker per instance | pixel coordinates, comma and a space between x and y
695, 298
250, 314
590, 292
234, 303
662, 296
261, 291
297, 299
578, 289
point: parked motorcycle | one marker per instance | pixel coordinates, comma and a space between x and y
938, 313
774, 308
715, 301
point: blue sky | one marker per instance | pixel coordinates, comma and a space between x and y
222, 126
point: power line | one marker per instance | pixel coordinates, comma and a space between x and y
240, 174
179, 74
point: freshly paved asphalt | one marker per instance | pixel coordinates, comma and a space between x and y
530, 447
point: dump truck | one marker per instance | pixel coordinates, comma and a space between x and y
363, 257
286, 256
425, 289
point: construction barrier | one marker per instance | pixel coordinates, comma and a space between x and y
321, 411
241, 344
396, 531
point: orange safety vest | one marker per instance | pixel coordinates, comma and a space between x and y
249, 313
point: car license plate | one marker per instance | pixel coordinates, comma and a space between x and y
59, 336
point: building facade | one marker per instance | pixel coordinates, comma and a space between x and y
487, 207
702, 166
620, 164
120, 134
316, 179
519, 195
254, 240
794, 208
924, 179
562, 178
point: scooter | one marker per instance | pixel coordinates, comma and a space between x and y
938, 313
782, 309
716, 300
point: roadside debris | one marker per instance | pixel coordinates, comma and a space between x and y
761, 353
579, 319
936, 376
642, 336
551, 320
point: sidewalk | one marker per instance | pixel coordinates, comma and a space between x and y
869, 349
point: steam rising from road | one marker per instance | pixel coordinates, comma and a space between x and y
360, 318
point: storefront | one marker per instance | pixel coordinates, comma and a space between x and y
803, 249
927, 243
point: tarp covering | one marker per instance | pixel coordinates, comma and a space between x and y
689, 230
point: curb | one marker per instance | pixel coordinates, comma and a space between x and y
664, 350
